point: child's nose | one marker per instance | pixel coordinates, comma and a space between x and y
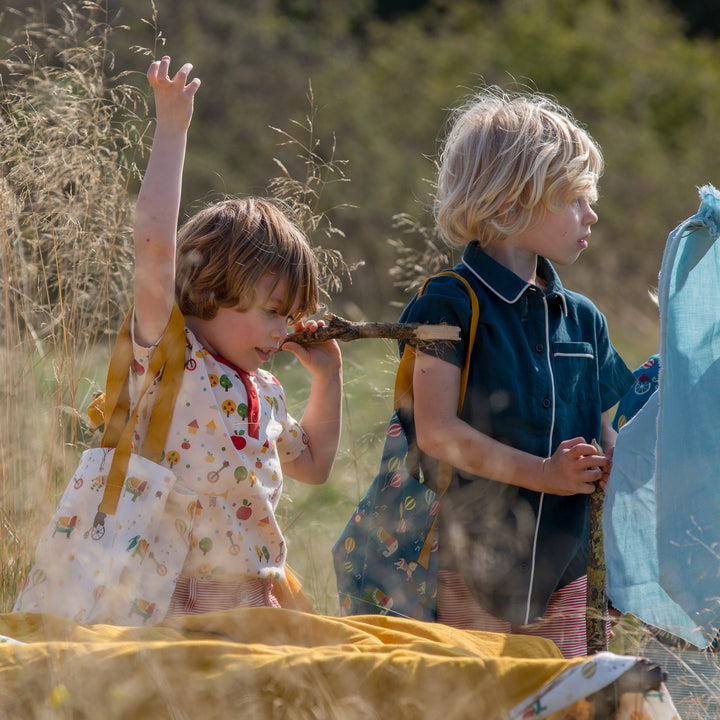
590, 215
279, 329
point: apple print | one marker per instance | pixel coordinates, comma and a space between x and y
244, 511
238, 441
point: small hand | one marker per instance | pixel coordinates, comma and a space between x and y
315, 357
574, 468
173, 97
606, 469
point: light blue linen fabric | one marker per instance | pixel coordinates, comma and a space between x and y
662, 507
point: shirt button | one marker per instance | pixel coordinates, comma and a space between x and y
539, 347
546, 403
524, 567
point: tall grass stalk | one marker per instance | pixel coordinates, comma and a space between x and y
68, 140
73, 132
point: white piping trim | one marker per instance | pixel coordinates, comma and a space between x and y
542, 495
491, 288
589, 356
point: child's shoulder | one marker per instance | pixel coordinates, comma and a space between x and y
268, 381
450, 282
440, 292
579, 303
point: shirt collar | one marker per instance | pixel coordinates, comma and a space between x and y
506, 284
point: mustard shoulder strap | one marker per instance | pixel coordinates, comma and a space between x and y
168, 357
403, 379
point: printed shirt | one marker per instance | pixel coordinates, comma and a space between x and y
543, 370
647, 380
229, 433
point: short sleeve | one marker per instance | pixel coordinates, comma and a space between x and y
293, 441
445, 301
282, 428
647, 377
142, 356
615, 376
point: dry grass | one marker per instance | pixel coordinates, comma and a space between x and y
72, 134
67, 144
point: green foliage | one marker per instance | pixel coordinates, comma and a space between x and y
383, 84
73, 121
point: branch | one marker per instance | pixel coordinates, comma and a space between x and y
337, 328
597, 601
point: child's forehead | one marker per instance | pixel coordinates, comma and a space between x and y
272, 287
273, 290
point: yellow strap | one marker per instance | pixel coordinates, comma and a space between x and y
168, 357
404, 376
404, 394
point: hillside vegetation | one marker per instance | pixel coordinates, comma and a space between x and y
382, 84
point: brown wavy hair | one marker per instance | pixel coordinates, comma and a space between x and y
227, 247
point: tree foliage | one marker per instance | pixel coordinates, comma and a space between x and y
384, 76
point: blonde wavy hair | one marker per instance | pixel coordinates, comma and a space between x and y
508, 159
227, 247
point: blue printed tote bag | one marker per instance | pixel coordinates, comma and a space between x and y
386, 557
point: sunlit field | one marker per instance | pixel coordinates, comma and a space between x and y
74, 142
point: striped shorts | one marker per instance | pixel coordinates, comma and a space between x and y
563, 622
193, 596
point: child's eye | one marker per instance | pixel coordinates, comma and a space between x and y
275, 312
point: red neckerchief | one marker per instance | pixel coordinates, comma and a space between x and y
253, 403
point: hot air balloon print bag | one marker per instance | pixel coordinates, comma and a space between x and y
386, 559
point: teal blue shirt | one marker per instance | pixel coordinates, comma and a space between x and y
543, 370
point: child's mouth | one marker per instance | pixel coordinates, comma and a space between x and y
265, 353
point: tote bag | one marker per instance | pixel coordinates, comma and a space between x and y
117, 541
385, 559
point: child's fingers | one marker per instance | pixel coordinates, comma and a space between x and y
152, 72
182, 74
159, 72
192, 87
163, 67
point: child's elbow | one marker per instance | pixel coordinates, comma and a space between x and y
427, 440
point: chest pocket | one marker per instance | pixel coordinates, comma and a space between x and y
574, 370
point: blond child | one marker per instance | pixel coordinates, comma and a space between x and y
516, 183
241, 272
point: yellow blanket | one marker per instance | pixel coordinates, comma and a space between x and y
266, 663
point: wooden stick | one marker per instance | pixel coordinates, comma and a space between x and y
337, 328
597, 601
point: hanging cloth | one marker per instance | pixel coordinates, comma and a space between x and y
662, 509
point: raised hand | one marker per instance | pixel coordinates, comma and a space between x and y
173, 96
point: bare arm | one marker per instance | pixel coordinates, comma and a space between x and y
158, 203
322, 418
573, 467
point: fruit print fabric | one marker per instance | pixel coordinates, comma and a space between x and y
229, 433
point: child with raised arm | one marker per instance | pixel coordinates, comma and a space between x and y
241, 272
516, 183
